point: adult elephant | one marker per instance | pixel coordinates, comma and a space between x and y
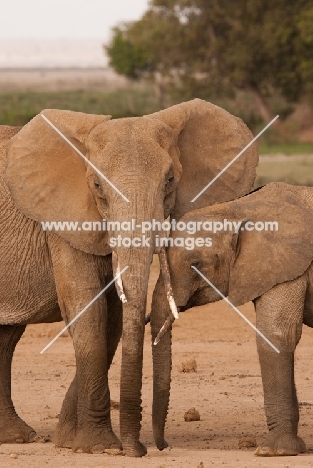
156, 162
264, 254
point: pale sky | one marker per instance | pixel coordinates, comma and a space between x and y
65, 33
72, 19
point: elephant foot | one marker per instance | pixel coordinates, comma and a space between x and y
98, 441
15, 431
64, 434
135, 450
281, 445
161, 444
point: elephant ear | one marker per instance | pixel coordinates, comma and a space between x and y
6, 133
266, 258
47, 178
208, 139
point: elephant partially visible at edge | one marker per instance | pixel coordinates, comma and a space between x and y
159, 163
271, 267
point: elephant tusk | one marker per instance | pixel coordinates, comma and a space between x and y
167, 325
167, 282
118, 281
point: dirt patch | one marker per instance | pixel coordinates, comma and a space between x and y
247, 442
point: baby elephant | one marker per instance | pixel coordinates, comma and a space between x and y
267, 261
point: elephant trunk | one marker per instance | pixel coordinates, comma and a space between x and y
134, 284
162, 362
132, 289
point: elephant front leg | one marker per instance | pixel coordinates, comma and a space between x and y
65, 432
281, 405
66, 429
279, 318
78, 281
94, 432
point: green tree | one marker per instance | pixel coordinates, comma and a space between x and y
305, 28
212, 47
126, 57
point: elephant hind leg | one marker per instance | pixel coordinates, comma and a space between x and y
12, 428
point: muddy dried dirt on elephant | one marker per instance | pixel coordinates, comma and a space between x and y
226, 390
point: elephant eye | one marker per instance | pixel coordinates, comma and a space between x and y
97, 185
170, 179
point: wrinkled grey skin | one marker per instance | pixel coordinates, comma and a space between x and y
274, 269
158, 162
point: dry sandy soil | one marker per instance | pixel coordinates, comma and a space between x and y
226, 390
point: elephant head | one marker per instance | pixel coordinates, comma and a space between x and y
267, 241
152, 167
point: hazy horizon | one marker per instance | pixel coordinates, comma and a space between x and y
56, 33
52, 53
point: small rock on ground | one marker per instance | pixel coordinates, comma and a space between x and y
192, 415
188, 366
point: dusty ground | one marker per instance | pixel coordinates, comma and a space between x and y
226, 390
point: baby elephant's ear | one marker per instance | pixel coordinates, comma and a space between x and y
208, 140
264, 257
47, 178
